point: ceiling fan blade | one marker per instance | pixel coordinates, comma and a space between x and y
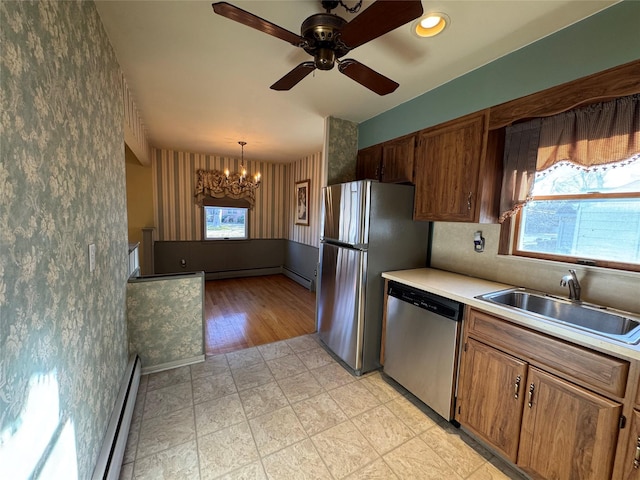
249, 19
294, 76
367, 77
381, 17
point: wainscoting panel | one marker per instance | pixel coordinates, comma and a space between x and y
237, 258
211, 256
301, 260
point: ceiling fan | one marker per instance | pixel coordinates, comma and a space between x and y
328, 37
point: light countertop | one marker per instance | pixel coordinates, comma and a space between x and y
464, 289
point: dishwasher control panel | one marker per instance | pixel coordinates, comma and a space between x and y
442, 306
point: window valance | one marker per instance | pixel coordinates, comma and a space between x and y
217, 184
590, 137
595, 135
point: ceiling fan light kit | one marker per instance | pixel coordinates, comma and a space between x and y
328, 37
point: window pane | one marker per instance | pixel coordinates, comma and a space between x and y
565, 178
599, 229
222, 222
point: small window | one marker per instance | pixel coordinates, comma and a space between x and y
221, 223
577, 214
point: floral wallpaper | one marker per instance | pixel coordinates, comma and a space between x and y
62, 187
165, 317
342, 141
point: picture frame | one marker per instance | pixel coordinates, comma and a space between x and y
302, 202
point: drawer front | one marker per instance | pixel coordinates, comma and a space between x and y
590, 368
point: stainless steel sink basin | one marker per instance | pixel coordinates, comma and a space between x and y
604, 321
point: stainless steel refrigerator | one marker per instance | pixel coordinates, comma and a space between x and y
367, 229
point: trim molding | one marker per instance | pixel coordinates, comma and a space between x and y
169, 365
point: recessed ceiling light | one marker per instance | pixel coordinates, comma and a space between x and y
431, 24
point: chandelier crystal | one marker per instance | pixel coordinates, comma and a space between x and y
236, 185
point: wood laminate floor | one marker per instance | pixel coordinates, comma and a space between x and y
246, 312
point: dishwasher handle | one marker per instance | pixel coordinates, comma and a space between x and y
445, 307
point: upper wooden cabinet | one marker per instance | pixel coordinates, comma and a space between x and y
457, 171
388, 162
369, 163
397, 160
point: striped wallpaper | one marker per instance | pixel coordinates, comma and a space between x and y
178, 217
311, 168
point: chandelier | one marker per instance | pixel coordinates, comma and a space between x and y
241, 178
217, 184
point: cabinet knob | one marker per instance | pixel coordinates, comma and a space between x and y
469, 200
636, 460
517, 387
531, 389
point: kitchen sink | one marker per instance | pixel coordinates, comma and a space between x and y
604, 321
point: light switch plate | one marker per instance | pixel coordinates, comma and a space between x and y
92, 257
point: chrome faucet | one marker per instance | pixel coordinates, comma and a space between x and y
572, 282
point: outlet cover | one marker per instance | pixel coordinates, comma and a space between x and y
92, 257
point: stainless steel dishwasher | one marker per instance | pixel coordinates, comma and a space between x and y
421, 345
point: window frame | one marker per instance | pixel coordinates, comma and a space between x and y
634, 267
204, 223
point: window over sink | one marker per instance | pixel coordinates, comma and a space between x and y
589, 215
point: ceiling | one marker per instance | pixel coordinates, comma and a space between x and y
201, 81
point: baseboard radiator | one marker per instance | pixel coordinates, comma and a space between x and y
115, 441
296, 277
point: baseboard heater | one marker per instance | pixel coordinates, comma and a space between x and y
296, 277
115, 441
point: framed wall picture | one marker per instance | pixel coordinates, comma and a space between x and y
302, 202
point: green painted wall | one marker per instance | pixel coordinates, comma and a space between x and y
597, 43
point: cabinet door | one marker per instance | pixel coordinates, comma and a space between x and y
490, 396
632, 458
369, 163
567, 432
448, 159
397, 160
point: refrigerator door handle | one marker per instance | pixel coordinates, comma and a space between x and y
337, 243
361, 295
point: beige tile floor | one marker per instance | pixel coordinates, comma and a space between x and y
288, 410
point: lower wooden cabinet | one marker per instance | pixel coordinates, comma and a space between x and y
547, 425
632, 457
567, 432
491, 396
